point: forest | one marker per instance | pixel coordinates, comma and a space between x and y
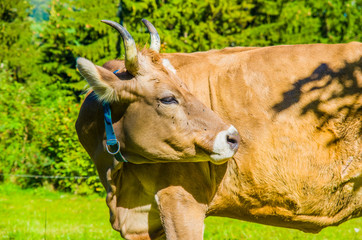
41, 90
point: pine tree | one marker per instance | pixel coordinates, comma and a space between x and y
17, 69
296, 22
16, 42
191, 25
74, 29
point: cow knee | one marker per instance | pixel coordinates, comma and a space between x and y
182, 216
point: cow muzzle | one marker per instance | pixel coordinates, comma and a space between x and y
225, 145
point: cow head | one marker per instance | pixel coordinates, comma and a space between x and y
156, 118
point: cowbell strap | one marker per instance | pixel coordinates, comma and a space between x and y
113, 146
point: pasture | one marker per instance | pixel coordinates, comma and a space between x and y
41, 213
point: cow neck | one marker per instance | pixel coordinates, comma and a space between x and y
112, 144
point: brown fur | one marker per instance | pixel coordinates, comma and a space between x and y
298, 111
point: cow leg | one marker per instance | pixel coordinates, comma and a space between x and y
182, 216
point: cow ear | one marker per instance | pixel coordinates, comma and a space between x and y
103, 82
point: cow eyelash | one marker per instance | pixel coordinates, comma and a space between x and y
169, 100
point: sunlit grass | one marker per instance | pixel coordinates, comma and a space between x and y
230, 229
44, 214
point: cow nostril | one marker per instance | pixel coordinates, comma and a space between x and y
233, 140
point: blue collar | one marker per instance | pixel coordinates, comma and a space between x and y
112, 146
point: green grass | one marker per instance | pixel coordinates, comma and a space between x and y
45, 214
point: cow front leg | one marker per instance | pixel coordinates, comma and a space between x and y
181, 215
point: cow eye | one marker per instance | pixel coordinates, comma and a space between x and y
169, 100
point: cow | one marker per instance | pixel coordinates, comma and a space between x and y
297, 110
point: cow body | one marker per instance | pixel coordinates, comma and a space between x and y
299, 164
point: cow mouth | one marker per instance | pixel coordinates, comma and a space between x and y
219, 159
225, 146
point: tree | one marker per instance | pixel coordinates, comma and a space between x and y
297, 22
188, 26
74, 29
16, 42
192, 25
17, 69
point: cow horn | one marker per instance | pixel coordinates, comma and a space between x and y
131, 61
155, 38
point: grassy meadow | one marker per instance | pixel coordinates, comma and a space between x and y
45, 214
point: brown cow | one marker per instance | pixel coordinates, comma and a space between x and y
299, 164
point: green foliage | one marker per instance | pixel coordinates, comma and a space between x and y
192, 25
16, 42
188, 26
38, 111
16, 127
297, 22
38, 136
74, 29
